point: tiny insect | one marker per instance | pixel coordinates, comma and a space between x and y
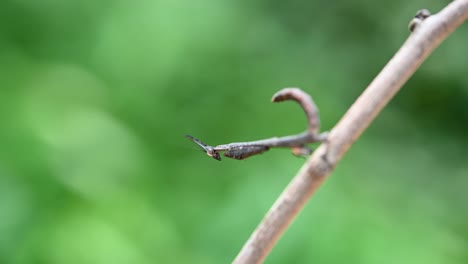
298, 142
209, 150
233, 151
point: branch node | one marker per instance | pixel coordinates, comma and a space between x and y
420, 16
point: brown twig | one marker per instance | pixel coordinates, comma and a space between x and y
307, 104
426, 36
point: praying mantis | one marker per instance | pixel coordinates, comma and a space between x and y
243, 150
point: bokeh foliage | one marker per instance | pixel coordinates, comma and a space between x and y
96, 96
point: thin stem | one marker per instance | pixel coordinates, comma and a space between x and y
313, 124
286, 141
307, 104
426, 36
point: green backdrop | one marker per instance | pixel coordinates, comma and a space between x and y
95, 97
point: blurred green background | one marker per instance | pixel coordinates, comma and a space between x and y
96, 96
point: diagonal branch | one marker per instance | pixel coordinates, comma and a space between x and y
426, 35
